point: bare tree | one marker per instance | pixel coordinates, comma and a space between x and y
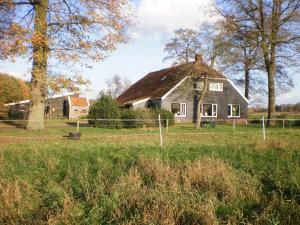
117, 85
199, 74
63, 31
183, 47
242, 56
275, 25
190, 50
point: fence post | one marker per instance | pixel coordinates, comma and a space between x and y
283, 123
160, 134
233, 125
77, 127
263, 127
167, 125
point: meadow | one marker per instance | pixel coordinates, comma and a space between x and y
122, 176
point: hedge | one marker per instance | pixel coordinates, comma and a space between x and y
106, 113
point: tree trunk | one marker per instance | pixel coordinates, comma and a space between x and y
271, 90
200, 102
39, 67
247, 82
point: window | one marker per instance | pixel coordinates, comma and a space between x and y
199, 85
163, 78
209, 110
179, 109
76, 109
216, 86
233, 110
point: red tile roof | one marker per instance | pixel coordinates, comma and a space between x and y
77, 101
156, 84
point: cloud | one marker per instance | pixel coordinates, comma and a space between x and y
156, 18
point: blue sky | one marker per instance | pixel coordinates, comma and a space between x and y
155, 22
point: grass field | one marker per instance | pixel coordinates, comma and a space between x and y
122, 176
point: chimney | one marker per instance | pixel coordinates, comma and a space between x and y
198, 58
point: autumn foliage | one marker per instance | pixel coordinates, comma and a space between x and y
59, 37
12, 89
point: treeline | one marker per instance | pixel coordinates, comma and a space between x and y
292, 108
288, 107
12, 89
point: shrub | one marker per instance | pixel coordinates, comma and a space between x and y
105, 112
149, 117
164, 115
130, 118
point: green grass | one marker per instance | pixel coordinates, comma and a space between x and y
121, 176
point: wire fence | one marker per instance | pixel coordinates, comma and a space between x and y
139, 123
151, 128
153, 123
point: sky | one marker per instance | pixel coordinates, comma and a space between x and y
155, 22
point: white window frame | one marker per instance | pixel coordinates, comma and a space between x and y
212, 112
231, 116
219, 86
199, 85
181, 104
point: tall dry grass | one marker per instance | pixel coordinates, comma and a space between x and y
154, 192
179, 185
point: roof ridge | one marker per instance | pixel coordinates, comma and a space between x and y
153, 85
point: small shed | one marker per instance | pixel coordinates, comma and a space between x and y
78, 106
68, 105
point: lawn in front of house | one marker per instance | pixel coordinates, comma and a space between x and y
122, 176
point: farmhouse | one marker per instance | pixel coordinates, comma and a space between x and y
69, 106
173, 90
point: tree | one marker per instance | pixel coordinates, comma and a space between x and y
63, 32
183, 47
116, 86
242, 56
199, 73
12, 89
107, 110
191, 46
275, 25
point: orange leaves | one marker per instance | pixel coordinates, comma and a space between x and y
12, 89
13, 42
39, 39
59, 82
67, 32
85, 45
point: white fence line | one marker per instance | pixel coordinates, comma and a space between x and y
187, 121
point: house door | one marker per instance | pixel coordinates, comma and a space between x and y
65, 108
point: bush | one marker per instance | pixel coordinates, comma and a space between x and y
130, 118
148, 116
164, 116
145, 117
105, 108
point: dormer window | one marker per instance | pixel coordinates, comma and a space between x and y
198, 86
163, 78
216, 86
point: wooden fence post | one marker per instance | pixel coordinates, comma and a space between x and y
167, 125
77, 127
263, 127
160, 133
233, 125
